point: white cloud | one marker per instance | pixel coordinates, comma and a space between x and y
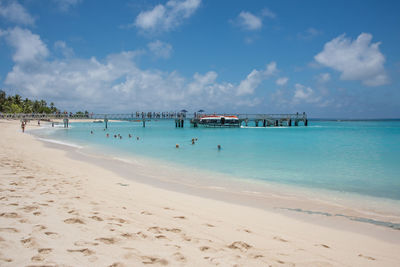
160, 49
16, 13
282, 81
28, 46
249, 21
268, 13
166, 17
65, 5
62, 47
323, 77
252, 22
356, 60
200, 82
303, 94
116, 83
254, 79
309, 34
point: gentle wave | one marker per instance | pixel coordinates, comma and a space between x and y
59, 142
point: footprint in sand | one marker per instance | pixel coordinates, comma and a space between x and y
107, 240
146, 213
29, 242
39, 227
73, 212
29, 208
154, 229
84, 251
280, 239
51, 234
242, 246
128, 235
207, 249
5, 259
161, 237
366, 257
180, 217
117, 264
142, 235
96, 218
45, 250
153, 260
37, 258
85, 243
179, 257
74, 220
11, 215
9, 230
173, 230
322, 245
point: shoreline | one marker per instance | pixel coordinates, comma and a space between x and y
60, 210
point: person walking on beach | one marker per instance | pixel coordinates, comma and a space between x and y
23, 126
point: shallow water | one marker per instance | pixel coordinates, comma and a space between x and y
354, 156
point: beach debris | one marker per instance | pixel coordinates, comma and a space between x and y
121, 184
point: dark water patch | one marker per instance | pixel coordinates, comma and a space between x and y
395, 226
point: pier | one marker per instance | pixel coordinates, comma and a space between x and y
179, 118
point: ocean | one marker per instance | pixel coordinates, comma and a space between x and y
354, 157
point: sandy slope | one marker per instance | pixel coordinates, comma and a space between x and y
58, 211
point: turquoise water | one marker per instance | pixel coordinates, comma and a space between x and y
357, 156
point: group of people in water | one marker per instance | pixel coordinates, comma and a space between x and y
194, 140
117, 135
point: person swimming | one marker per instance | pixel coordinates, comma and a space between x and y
177, 146
219, 147
91, 132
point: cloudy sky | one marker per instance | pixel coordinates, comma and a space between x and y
328, 58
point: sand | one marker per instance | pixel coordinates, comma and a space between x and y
58, 211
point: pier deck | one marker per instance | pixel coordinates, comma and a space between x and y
262, 120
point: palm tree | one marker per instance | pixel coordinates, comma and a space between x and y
17, 99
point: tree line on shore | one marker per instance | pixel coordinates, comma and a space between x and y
15, 104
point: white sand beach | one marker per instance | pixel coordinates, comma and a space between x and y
60, 211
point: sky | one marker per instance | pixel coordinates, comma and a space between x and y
330, 59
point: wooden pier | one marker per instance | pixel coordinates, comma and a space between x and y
255, 120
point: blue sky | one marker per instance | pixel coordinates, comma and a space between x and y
328, 58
